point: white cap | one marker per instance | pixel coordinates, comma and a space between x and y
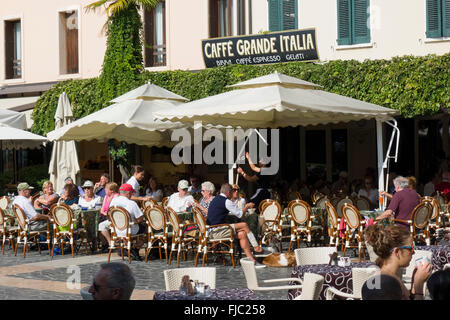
183, 184
87, 184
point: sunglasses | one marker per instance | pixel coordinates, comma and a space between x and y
410, 248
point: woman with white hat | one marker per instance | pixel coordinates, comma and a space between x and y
89, 199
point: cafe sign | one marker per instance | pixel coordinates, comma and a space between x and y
274, 47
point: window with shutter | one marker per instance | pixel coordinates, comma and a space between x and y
155, 36
446, 18
274, 15
434, 22
289, 14
282, 15
353, 22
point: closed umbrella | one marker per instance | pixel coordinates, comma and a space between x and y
64, 160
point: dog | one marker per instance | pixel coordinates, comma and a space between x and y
280, 260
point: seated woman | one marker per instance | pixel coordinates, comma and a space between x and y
46, 200
395, 247
236, 197
89, 199
71, 194
152, 191
111, 191
369, 191
208, 194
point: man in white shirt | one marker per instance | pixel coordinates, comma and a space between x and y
124, 201
38, 222
138, 176
181, 201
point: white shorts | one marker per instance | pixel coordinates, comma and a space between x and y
106, 226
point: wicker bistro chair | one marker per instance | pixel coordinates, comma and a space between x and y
333, 224
252, 279
148, 203
301, 223
180, 242
63, 221
359, 277
317, 255
173, 277
362, 203
341, 203
264, 203
311, 286
157, 230
164, 202
207, 245
121, 221
316, 196
4, 202
271, 224
34, 197
354, 229
436, 219
419, 222
24, 235
320, 203
7, 232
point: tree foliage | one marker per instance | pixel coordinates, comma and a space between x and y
412, 85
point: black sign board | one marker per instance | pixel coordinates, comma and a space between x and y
274, 47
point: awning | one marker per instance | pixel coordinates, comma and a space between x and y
23, 104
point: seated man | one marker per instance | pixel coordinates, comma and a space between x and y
181, 201
403, 202
124, 201
114, 281
99, 187
38, 222
218, 210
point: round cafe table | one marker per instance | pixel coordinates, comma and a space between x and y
216, 294
334, 276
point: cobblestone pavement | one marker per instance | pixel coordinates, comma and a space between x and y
38, 277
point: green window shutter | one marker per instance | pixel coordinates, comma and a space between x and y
446, 18
360, 21
275, 18
344, 22
434, 22
289, 14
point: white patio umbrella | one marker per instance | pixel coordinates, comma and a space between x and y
13, 139
277, 100
64, 160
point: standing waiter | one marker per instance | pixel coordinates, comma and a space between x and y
262, 180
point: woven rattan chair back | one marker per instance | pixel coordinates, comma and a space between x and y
440, 198
335, 200
311, 286
2, 218
62, 215
313, 255
164, 202
359, 277
4, 202
120, 218
271, 211
362, 203
200, 220
316, 196
172, 277
332, 214
263, 204
174, 220
149, 203
155, 217
300, 211
34, 197
351, 215
20, 216
421, 215
320, 203
342, 202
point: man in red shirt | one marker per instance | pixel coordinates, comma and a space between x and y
403, 202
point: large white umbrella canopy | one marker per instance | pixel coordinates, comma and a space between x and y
64, 160
276, 100
13, 138
13, 119
130, 119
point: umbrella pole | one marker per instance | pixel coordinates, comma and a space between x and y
15, 178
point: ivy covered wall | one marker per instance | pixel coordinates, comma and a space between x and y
412, 85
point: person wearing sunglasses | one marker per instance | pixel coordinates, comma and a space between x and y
114, 281
395, 248
207, 191
89, 199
